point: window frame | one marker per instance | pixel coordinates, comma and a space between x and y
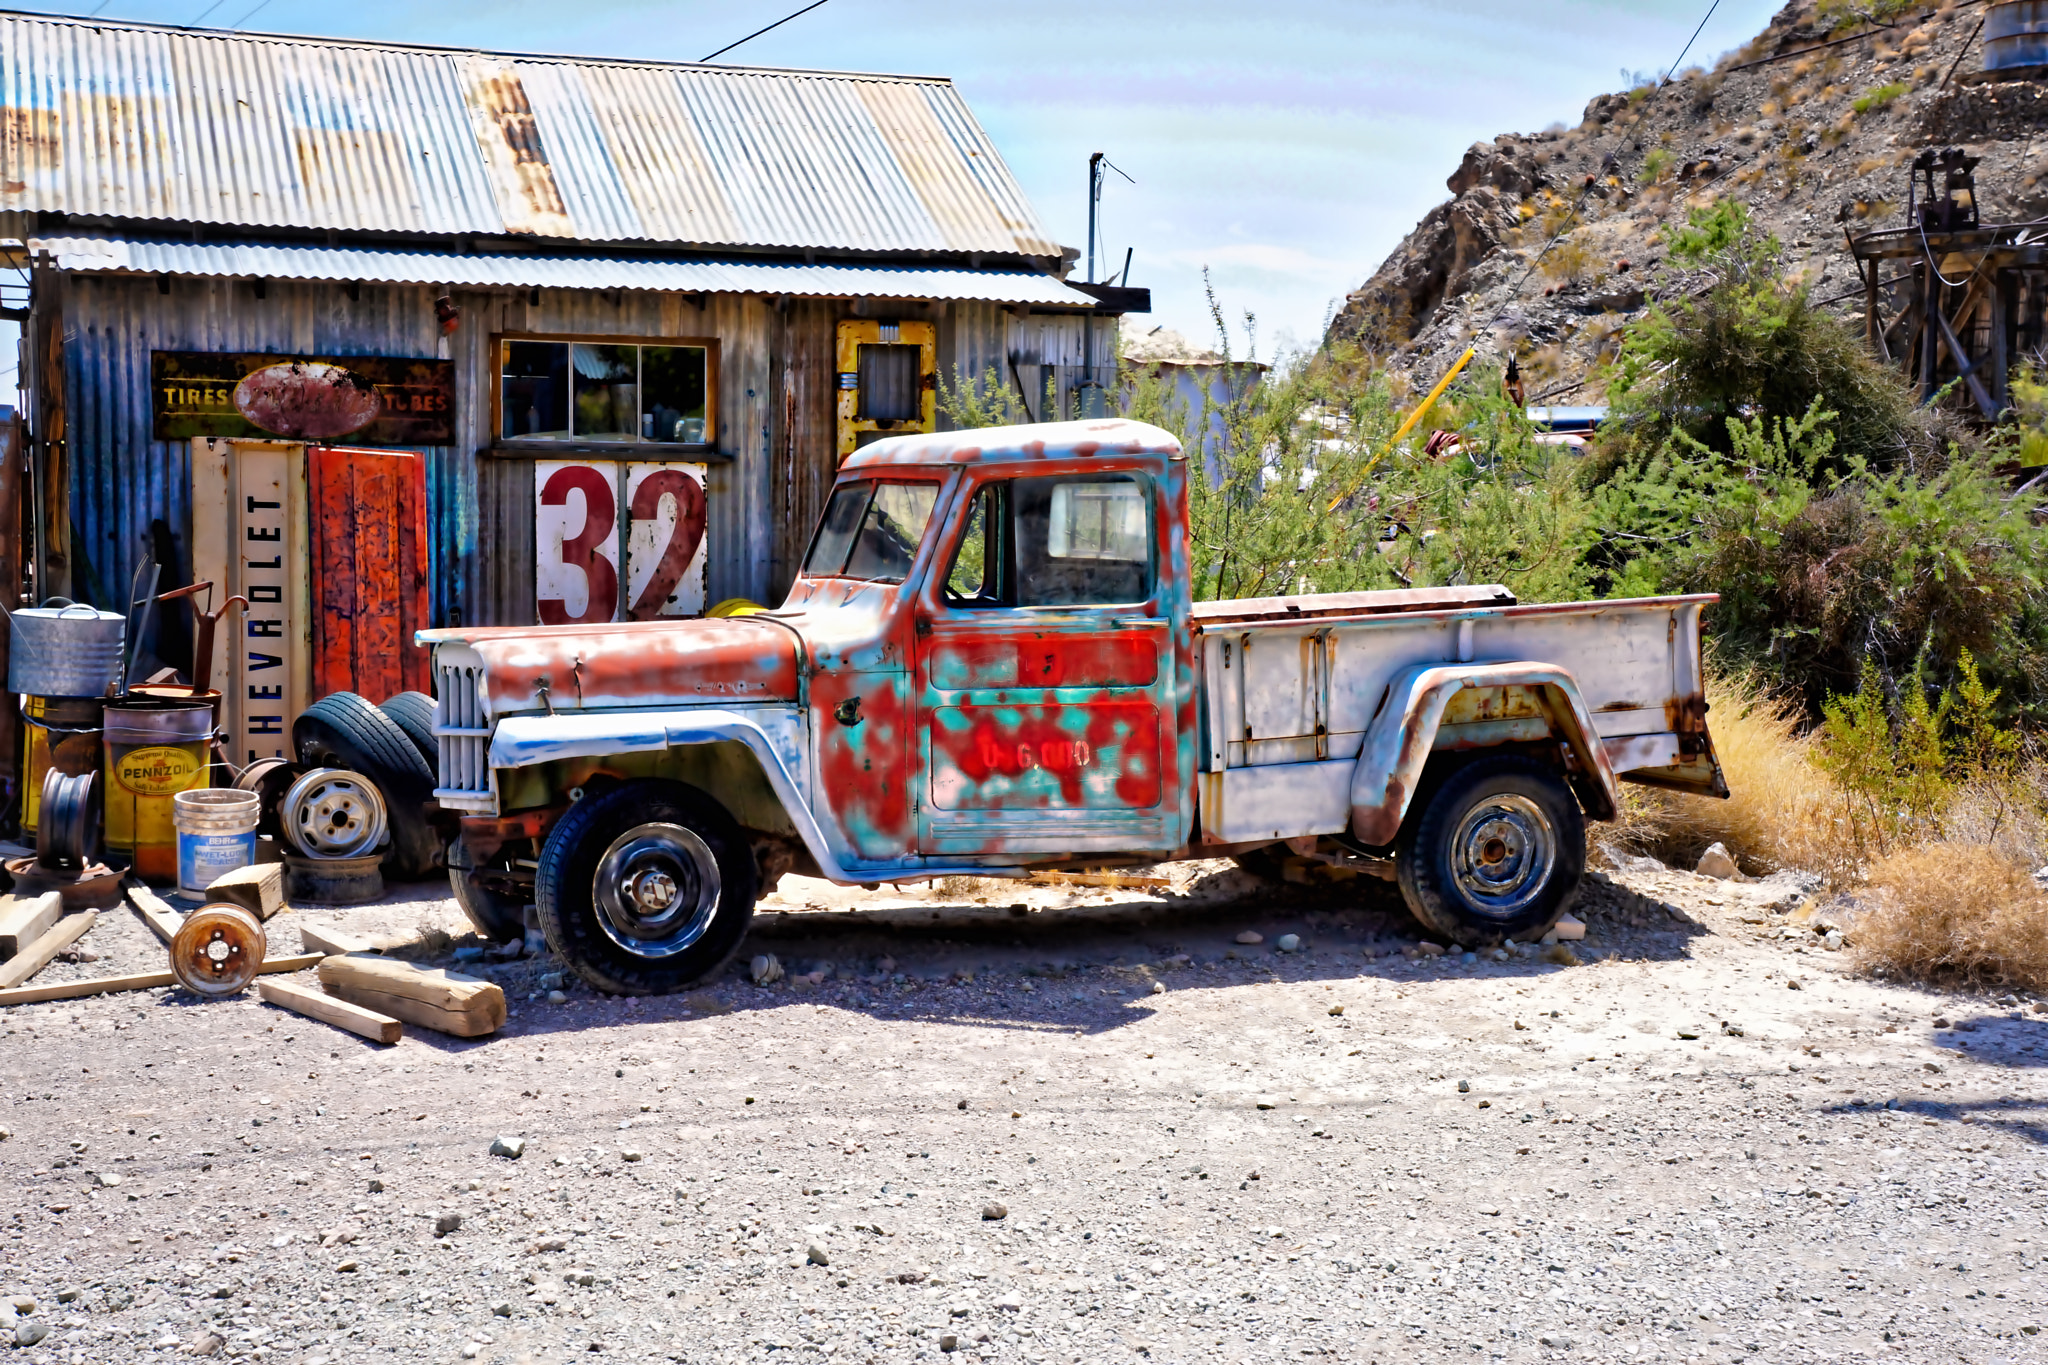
705, 451
942, 573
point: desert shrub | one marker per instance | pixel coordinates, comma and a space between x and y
984, 400
1879, 97
1955, 914
1568, 261
1657, 166
1750, 344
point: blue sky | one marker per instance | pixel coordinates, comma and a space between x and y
1286, 146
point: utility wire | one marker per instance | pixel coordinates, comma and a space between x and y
759, 31
1673, 68
250, 15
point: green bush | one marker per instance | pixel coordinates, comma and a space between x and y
1879, 97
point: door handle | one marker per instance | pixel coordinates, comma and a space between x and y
1137, 622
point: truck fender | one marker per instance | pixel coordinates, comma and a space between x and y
774, 735
1399, 740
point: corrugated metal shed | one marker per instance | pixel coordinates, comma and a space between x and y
142, 122
675, 274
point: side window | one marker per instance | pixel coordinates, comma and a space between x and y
1082, 540
976, 578
1062, 541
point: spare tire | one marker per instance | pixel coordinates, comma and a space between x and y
414, 712
343, 730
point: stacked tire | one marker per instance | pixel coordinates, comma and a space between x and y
393, 747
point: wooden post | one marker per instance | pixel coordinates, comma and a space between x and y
1873, 335
1994, 315
1930, 296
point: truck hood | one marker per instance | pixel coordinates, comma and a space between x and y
651, 663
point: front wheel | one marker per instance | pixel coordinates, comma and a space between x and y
645, 888
1496, 852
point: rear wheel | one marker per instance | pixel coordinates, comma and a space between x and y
646, 887
497, 914
1496, 852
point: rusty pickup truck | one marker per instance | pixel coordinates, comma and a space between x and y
991, 663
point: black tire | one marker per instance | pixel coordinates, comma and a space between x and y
414, 713
594, 942
1514, 810
497, 915
343, 730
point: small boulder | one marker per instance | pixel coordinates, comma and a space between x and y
1718, 862
1251, 936
1288, 943
505, 1146
816, 1254
765, 969
993, 1211
447, 1223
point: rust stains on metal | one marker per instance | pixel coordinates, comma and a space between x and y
514, 157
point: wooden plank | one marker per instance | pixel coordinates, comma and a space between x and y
24, 919
329, 1009
163, 919
137, 981
329, 941
258, 888
445, 1001
37, 954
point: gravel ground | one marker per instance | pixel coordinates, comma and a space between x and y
1055, 1125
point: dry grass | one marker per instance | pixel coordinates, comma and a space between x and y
1956, 914
1781, 811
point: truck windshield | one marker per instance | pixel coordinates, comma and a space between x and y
871, 531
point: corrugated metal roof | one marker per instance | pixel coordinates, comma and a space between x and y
101, 255
144, 122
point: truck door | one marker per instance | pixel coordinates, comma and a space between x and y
1045, 672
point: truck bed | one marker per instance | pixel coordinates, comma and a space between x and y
1292, 686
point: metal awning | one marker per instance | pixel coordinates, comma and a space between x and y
242, 260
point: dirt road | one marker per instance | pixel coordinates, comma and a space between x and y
1095, 1127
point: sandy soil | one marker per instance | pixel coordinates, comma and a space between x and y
1666, 1153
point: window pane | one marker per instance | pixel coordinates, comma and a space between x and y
672, 383
607, 389
534, 389
835, 531
889, 387
972, 579
894, 525
1082, 541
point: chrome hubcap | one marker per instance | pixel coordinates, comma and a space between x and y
1503, 854
656, 890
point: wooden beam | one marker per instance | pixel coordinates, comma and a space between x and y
24, 919
37, 955
1966, 365
164, 919
328, 1009
139, 981
448, 1002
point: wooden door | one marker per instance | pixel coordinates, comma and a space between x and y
369, 570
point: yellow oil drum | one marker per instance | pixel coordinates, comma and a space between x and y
155, 749
64, 732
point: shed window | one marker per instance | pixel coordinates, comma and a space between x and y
604, 391
889, 384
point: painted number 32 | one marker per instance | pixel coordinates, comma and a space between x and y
579, 552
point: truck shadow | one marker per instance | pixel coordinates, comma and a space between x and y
2023, 1119
1095, 968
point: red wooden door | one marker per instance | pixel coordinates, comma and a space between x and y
369, 570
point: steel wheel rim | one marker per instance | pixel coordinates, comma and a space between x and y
1503, 854
656, 890
333, 813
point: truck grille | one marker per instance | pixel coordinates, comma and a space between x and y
463, 725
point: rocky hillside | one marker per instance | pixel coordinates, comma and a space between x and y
1813, 125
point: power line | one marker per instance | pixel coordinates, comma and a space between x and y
250, 15
759, 31
1673, 68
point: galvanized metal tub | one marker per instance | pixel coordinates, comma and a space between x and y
68, 651
2016, 34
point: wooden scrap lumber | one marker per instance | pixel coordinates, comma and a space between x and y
24, 919
137, 981
160, 915
1127, 880
331, 1009
37, 954
325, 938
448, 1002
258, 888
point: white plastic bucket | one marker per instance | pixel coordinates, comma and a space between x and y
216, 835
